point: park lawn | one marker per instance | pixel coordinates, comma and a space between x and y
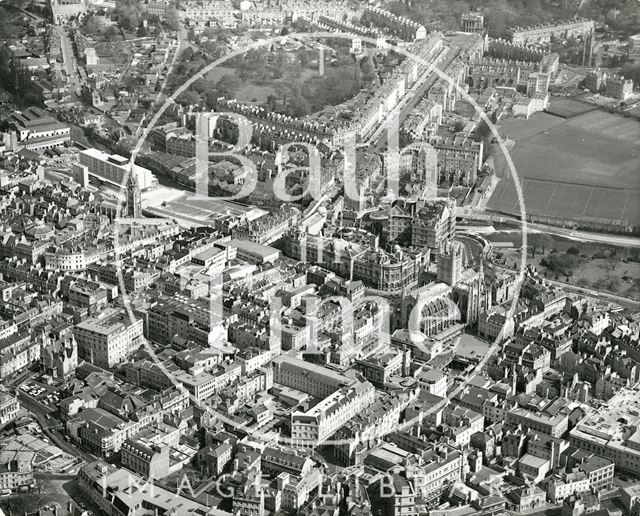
216, 73
256, 93
291, 84
597, 273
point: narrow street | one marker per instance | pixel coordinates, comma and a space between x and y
51, 427
67, 54
183, 41
411, 98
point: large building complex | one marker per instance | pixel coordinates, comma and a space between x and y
342, 398
613, 434
109, 338
633, 52
115, 169
544, 33
366, 261
37, 130
336, 326
398, 26
63, 10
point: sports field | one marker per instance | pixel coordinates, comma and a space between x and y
584, 167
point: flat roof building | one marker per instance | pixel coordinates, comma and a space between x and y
613, 431
115, 168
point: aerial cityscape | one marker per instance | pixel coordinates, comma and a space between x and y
319, 258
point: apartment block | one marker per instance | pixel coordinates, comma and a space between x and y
109, 338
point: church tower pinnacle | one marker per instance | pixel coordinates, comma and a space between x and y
134, 202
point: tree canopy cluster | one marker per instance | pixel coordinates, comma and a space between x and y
631, 71
499, 15
13, 77
563, 263
296, 91
130, 14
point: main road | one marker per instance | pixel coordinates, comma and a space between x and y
411, 98
67, 54
587, 236
51, 427
532, 227
182, 39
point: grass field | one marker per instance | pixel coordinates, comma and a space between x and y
587, 166
248, 92
565, 200
252, 92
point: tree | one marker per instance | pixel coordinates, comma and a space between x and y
483, 134
187, 54
110, 33
561, 263
129, 20
8, 30
458, 126
612, 261
171, 19
540, 240
368, 69
356, 76
631, 71
298, 106
279, 65
189, 98
303, 57
201, 85
209, 33
211, 97
272, 102
228, 85
244, 71
91, 25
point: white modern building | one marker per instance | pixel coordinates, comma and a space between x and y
115, 168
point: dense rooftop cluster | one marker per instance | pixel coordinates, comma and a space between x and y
356, 349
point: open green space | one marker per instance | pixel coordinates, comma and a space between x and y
604, 270
287, 79
581, 167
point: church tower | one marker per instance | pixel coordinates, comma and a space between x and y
134, 202
450, 266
